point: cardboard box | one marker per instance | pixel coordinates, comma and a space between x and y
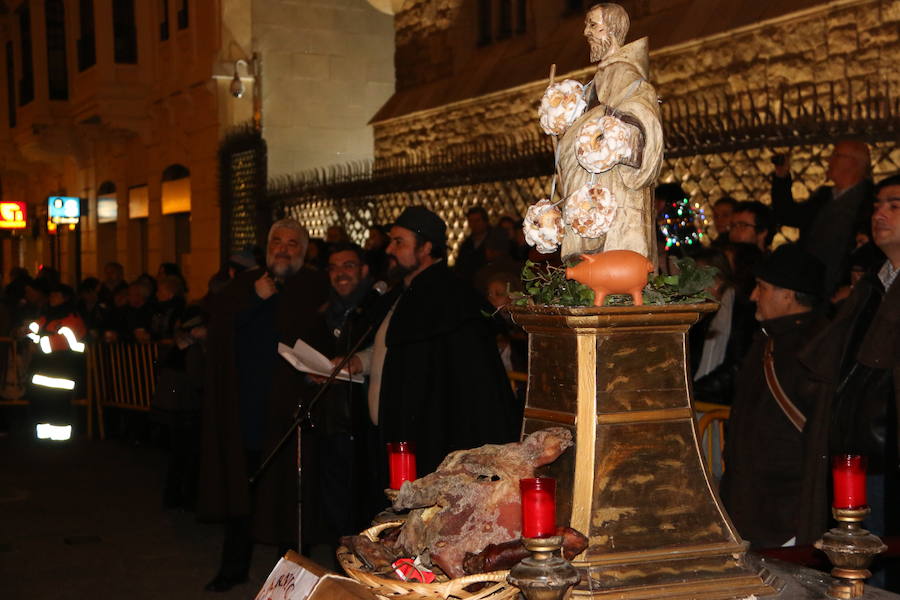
295, 577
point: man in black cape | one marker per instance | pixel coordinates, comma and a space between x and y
250, 399
436, 378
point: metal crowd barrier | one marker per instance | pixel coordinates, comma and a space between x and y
121, 375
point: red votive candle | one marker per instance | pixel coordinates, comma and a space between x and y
849, 474
402, 462
538, 506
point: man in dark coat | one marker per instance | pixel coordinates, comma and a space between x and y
344, 434
832, 216
251, 396
436, 378
856, 364
764, 451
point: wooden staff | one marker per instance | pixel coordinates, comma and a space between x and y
555, 138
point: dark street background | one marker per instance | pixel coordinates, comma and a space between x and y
84, 519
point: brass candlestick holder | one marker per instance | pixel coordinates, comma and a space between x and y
850, 548
545, 575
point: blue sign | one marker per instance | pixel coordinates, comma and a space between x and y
64, 209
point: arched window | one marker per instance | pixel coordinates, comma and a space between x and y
57, 70
175, 171
124, 32
485, 23
87, 50
164, 20
26, 81
176, 189
10, 85
107, 203
106, 188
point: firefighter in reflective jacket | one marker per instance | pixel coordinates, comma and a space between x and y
57, 363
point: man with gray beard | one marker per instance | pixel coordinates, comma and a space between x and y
251, 395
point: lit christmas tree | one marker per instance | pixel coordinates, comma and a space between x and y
682, 223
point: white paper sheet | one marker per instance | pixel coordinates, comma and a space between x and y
305, 358
287, 581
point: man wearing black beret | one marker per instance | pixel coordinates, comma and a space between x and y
761, 486
435, 376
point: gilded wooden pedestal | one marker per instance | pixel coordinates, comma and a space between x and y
635, 482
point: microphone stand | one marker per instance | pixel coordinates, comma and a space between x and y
301, 416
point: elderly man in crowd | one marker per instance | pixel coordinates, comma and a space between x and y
857, 364
832, 216
761, 486
436, 378
251, 394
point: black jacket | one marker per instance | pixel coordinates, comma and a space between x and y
764, 454
443, 384
869, 342
223, 491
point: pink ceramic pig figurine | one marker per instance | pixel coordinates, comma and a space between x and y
613, 272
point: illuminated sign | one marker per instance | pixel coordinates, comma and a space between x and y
12, 215
64, 209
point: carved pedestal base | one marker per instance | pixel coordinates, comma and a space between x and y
636, 483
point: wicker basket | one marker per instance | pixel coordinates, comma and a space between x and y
496, 587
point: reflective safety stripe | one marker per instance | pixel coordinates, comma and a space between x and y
59, 383
33, 327
45, 344
34, 337
57, 433
74, 344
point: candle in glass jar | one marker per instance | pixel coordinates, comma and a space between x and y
538, 506
849, 474
402, 463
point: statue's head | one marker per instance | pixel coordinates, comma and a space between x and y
605, 27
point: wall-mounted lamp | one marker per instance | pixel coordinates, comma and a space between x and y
237, 86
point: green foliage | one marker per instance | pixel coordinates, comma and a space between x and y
547, 285
689, 286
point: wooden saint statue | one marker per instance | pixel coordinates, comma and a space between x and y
608, 158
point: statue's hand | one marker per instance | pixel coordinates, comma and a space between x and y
604, 142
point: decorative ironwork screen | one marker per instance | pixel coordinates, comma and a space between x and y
716, 146
245, 214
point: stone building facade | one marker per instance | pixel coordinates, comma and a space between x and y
693, 56
739, 82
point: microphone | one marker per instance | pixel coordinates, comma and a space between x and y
279, 285
379, 288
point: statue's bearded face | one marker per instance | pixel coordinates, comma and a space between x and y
598, 35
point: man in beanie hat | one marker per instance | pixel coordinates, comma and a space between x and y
761, 487
435, 376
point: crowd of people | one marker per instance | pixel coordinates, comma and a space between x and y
110, 309
803, 347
